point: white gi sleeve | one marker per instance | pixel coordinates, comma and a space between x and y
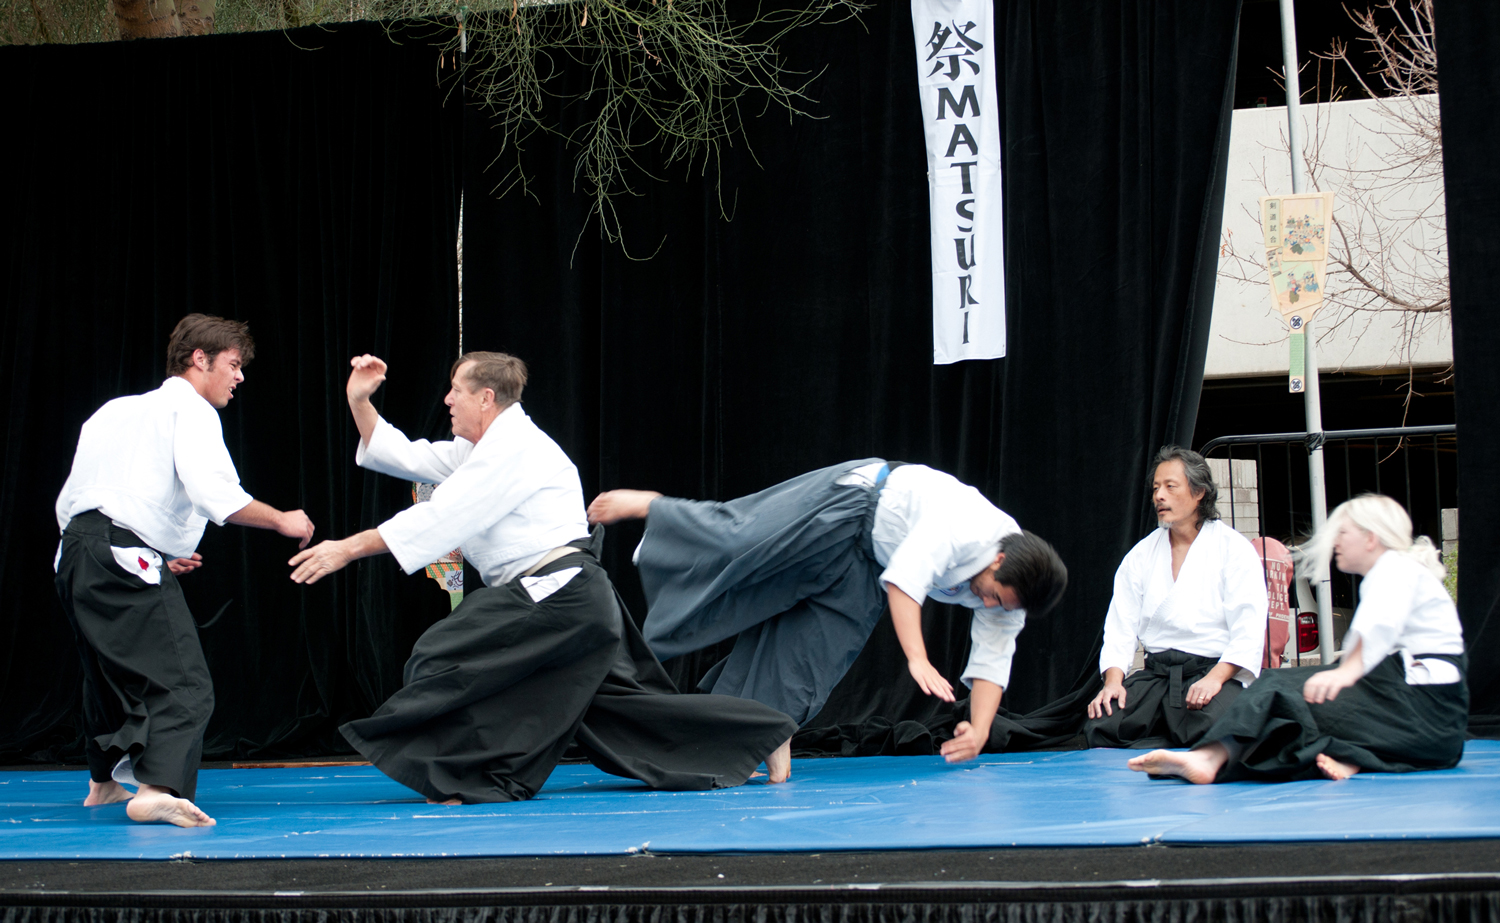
1122, 623
992, 646
920, 560
390, 452
1380, 619
473, 498
204, 466
1245, 605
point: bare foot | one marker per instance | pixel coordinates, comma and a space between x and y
450, 802
1334, 769
1198, 766
106, 793
779, 763
614, 505
154, 804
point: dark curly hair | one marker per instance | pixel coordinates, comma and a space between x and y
1033, 569
211, 334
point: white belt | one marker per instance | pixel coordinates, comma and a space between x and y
549, 557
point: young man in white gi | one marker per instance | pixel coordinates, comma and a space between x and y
544, 654
1193, 593
800, 573
150, 471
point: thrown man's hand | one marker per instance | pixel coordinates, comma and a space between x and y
931, 681
965, 745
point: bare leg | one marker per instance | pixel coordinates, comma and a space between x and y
1334, 769
450, 802
1199, 766
779, 763
612, 506
105, 793
154, 804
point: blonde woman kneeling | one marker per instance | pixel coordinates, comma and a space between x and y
1398, 701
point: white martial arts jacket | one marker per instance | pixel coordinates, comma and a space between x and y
1215, 608
933, 534
504, 502
1404, 609
155, 464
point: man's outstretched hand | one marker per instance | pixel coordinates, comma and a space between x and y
319, 561
332, 556
369, 372
931, 681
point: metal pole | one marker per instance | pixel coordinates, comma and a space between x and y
1313, 402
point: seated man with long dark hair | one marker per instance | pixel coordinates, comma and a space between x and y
1193, 594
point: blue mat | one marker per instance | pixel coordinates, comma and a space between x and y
1079, 798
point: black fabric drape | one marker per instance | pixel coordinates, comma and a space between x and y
799, 333
1453, 899
306, 182
1467, 35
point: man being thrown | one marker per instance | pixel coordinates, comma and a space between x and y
545, 654
1398, 701
150, 471
802, 571
1193, 593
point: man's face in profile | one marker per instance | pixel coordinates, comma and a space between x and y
1173, 496
222, 376
466, 405
993, 592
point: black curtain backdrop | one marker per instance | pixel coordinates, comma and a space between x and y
316, 197
1468, 34
306, 182
799, 333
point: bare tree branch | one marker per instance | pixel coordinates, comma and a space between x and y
1390, 253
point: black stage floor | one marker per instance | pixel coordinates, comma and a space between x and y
1299, 861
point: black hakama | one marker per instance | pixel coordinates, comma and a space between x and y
1156, 712
495, 692
1380, 724
791, 571
147, 692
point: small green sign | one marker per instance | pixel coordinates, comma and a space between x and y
1297, 367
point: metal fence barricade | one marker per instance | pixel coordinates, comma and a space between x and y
1264, 494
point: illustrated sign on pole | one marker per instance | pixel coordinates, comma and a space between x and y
1296, 230
961, 118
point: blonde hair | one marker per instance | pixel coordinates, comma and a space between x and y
1380, 516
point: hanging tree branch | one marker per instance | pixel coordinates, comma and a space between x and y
664, 74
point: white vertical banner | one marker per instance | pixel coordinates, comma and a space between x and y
961, 117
